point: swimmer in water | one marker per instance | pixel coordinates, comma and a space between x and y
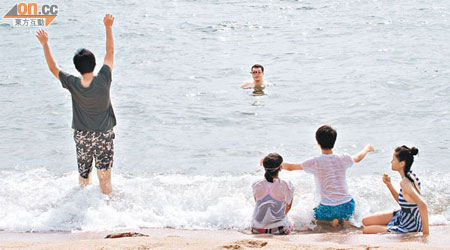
258, 83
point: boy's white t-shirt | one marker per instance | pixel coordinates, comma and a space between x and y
329, 171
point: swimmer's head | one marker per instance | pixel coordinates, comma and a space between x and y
326, 137
84, 61
257, 72
272, 165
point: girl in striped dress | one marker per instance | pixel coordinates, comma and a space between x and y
413, 215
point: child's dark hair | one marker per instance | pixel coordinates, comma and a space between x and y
406, 154
258, 66
326, 137
272, 165
84, 61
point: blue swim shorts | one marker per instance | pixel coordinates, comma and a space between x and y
342, 211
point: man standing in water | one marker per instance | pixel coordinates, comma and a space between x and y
93, 115
258, 83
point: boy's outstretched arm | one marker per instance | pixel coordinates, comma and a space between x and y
42, 36
291, 166
286, 166
108, 20
358, 157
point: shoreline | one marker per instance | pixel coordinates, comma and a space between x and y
166, 238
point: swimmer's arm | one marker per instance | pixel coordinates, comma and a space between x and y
409, 190
42, 36
291, 166
358, 157
108, 20
246, 84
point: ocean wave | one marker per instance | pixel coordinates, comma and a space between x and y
39, 201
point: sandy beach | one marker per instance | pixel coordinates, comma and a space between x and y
224, 239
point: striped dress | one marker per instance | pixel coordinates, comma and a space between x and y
407, 219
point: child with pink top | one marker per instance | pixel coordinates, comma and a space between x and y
329, 170
273, 198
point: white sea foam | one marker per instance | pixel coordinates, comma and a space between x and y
37, 200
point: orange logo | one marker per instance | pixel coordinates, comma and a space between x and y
28, 14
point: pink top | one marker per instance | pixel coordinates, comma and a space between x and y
280, 189
271, 200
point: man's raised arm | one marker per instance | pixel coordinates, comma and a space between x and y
108, 20
43, 39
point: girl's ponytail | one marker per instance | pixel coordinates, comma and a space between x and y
268, 177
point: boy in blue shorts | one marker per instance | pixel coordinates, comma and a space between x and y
329, 171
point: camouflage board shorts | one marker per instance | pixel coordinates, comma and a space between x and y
90, 145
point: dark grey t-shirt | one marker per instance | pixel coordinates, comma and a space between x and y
91, 106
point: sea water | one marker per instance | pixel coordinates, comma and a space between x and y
188, 139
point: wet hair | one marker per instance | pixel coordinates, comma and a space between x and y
406, 154
84, 61
258, 66
272, 165
326, 137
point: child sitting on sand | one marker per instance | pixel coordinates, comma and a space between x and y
329, 171
273, 198
413, 215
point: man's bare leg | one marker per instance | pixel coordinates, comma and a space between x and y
85, 181
104, 178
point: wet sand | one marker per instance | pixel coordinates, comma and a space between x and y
439, 238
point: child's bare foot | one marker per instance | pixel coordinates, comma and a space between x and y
335, 223
346, 224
